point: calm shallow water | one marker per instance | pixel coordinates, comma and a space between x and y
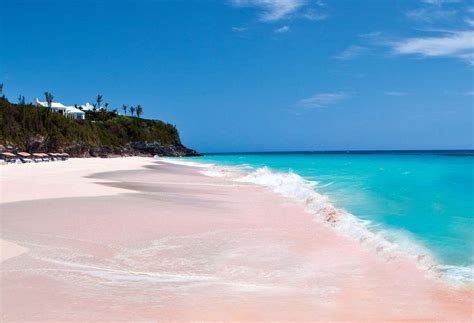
427, 197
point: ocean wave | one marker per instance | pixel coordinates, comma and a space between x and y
457, 274
176, 161
388, 243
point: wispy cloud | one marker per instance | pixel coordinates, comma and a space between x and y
449, 34
431, 14
272, 9
394, 93
469, 93
239, 29
457, 44
275, 10
469, 21
351, 52
322, 100
433, 10
312, 14
439, 2
282, 30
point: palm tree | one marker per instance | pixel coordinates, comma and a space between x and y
1, 88
124, 107
49, 99
132, 110
139, 110
106, 105
21, 100
99, 100
95, 107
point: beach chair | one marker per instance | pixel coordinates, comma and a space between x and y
25, 157
37, 157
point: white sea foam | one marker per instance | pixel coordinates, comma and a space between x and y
385, 243
457, 274
182, 162
390, 244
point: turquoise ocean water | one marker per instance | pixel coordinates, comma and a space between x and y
426, 197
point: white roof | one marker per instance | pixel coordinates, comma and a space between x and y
57, 105
73, 110
87, 107
45, 104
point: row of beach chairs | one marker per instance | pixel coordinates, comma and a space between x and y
24, 157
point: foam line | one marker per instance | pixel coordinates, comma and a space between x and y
390, 244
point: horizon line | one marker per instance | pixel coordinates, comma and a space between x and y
341, 151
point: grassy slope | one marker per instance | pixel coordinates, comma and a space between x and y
22, 125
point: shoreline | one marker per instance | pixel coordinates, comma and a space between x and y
295, 187
179, 237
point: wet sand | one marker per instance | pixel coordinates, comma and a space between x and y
136, 239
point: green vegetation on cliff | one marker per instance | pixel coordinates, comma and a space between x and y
33, 128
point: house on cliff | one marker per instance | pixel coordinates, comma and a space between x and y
67, 111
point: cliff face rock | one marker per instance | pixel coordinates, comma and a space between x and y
155, 148
137, 148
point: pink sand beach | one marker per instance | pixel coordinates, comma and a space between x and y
138, 239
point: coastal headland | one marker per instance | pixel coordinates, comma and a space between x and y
28, 128
142, 239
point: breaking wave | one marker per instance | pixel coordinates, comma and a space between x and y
390, 244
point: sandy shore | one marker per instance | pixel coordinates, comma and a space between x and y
140, 240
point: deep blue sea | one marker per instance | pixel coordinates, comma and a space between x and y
424, 197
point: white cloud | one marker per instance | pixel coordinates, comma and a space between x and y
239, 29
312, 14
320, 3
470, 22
351, 52
273, 10
322, 100
434, 10
282, 30
458, 44
439, 2
394, 93
431, 14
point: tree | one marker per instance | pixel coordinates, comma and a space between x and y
21, 100
124, 107
49, 99
139, 110
106, 105
1, 88
95, 107
132, 110
99, 100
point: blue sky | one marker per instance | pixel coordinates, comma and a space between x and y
257, 75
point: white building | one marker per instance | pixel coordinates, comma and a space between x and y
87, 107
67, 111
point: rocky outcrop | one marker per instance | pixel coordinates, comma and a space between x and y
137, 148
155, 148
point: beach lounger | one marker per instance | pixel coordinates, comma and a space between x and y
25, 157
